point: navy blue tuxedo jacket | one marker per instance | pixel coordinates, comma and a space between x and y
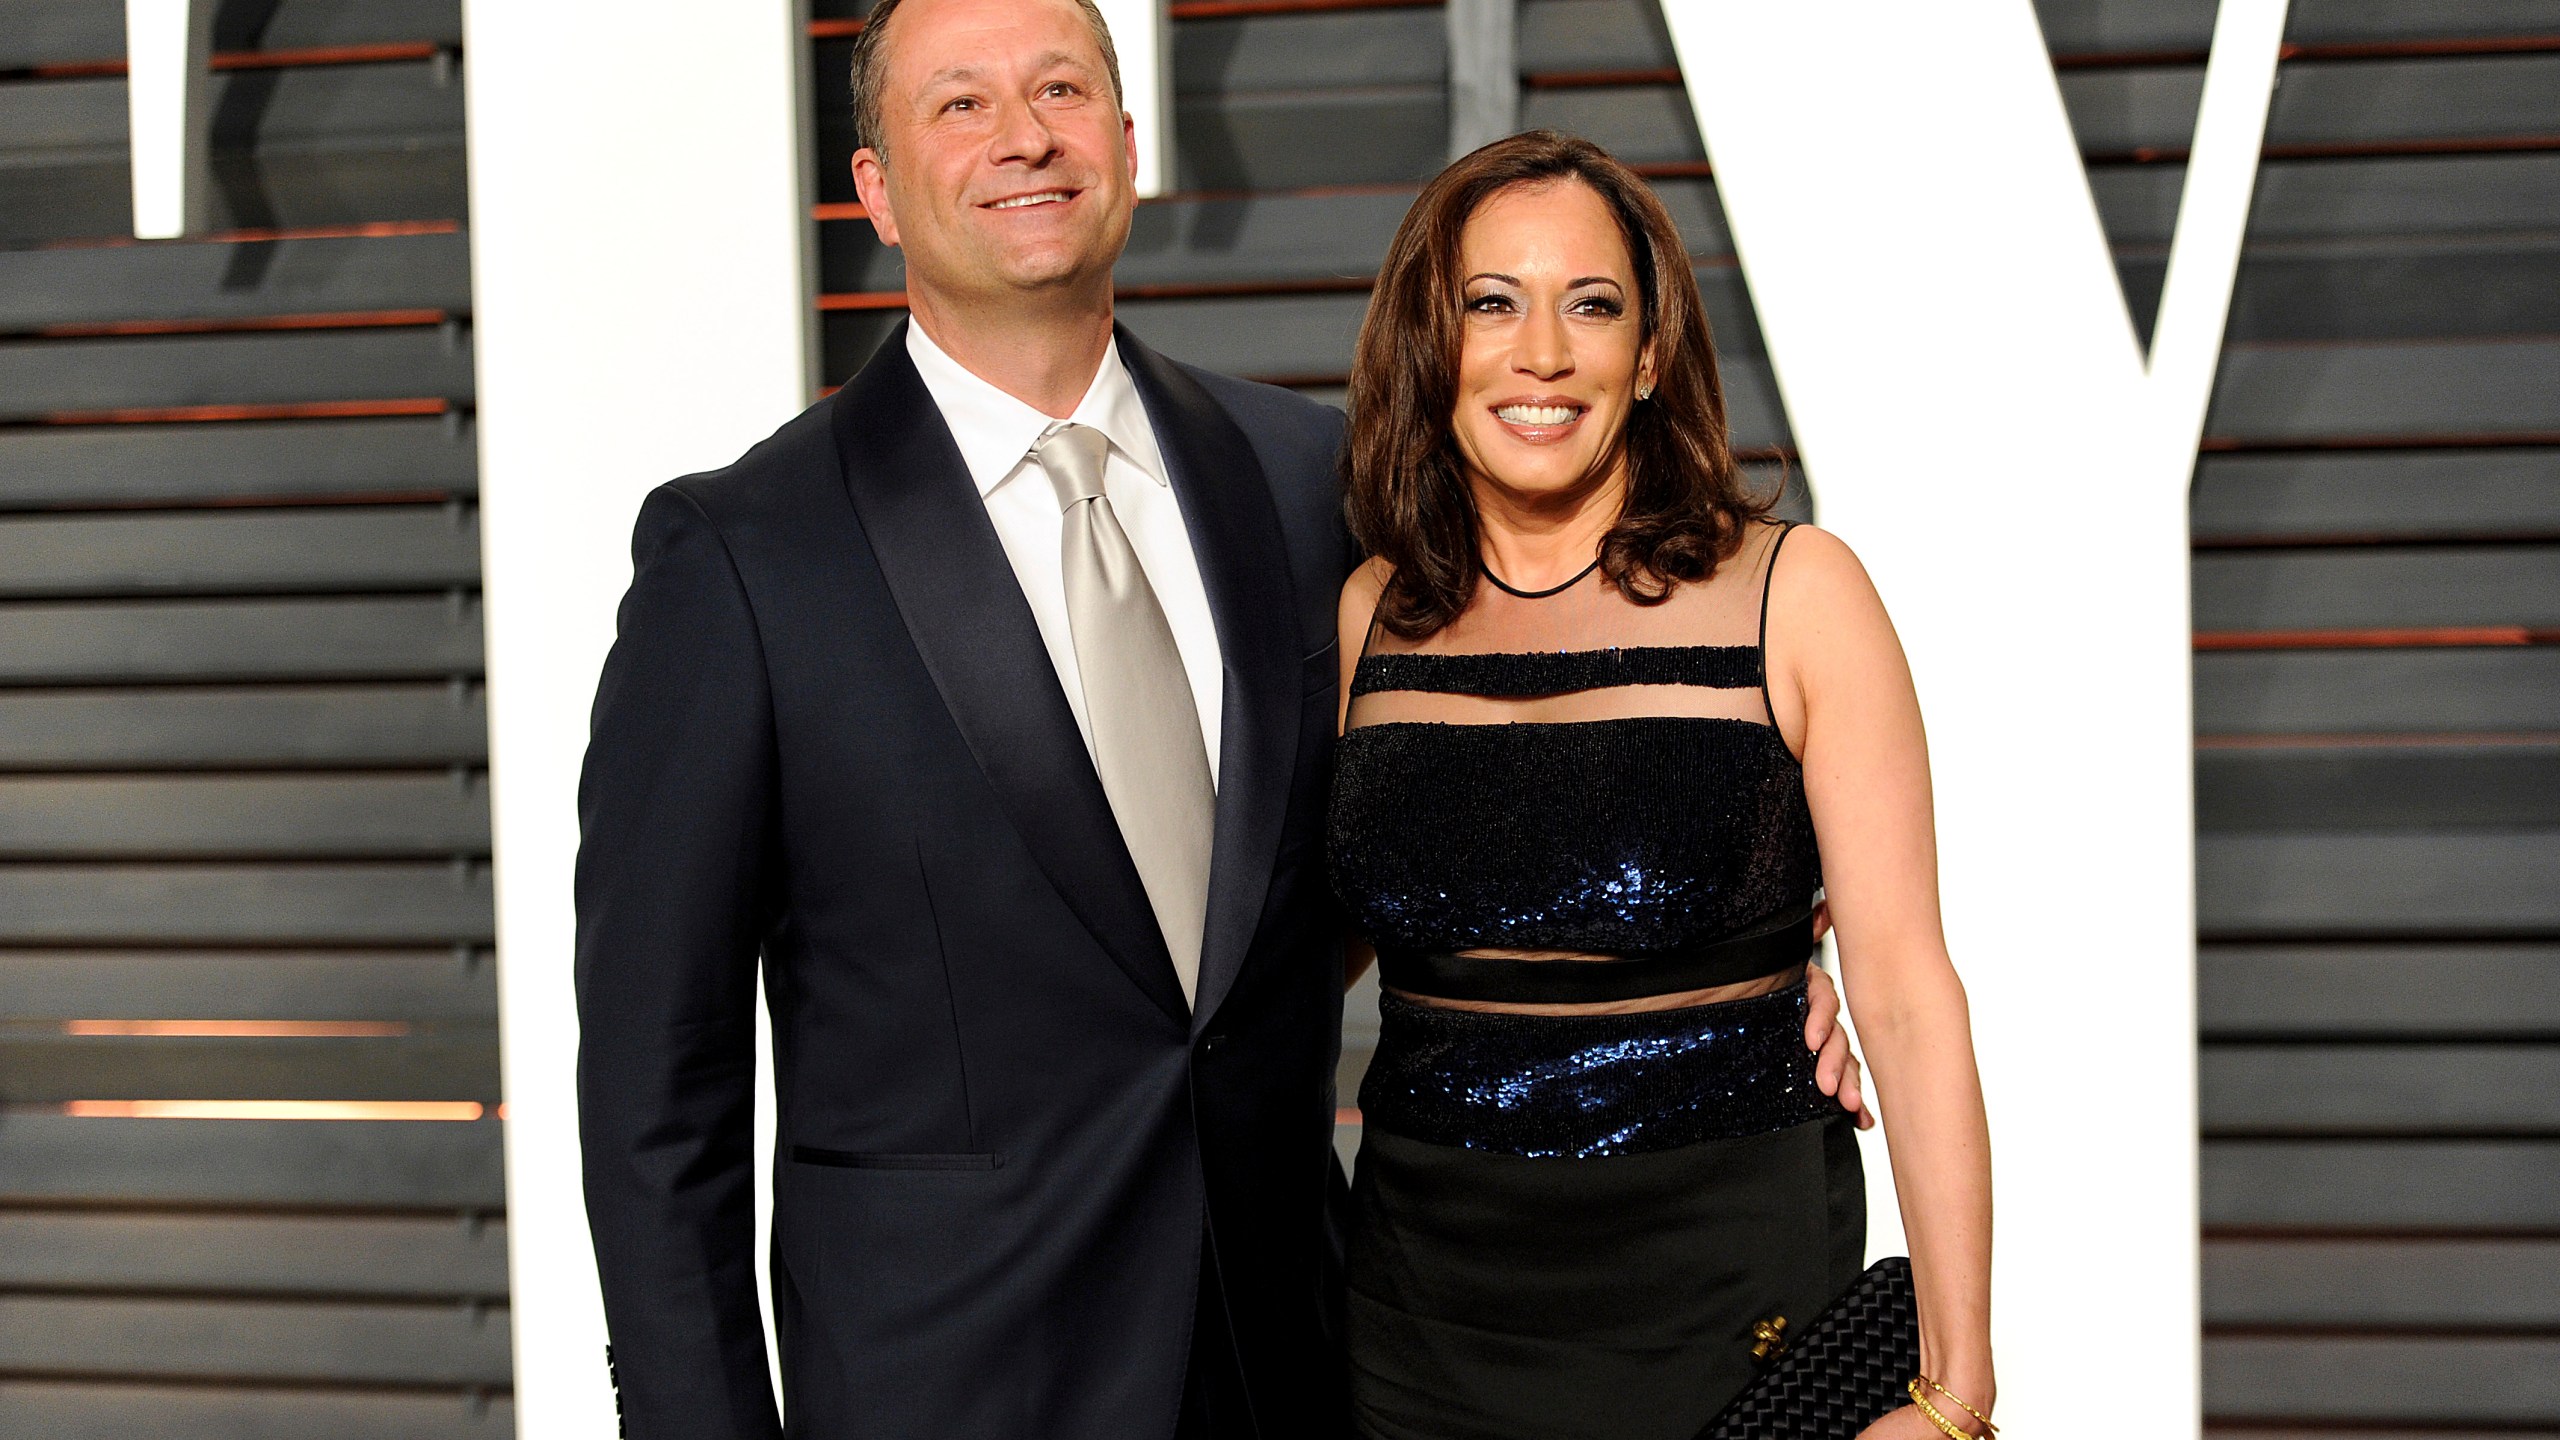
829, 742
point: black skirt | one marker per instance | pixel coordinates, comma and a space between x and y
1594, 1214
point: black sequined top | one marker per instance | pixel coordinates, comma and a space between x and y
1625, 837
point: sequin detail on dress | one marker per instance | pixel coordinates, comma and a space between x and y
1586, 1086
1717, 667
1603, 837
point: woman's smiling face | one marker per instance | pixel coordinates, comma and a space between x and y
1553, 351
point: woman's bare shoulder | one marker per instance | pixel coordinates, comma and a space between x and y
1817, 572
1827, 623
1351, 625
1360, 595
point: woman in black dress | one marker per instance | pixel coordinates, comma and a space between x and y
1603, 754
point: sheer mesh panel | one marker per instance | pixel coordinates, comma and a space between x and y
1592, 618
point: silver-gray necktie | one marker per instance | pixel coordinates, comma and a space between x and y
1146, 725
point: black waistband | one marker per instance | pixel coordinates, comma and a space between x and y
1445, 975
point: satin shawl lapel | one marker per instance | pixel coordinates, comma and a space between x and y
1244, 565
957, 593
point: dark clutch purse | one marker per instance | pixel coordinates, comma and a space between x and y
1846, 1371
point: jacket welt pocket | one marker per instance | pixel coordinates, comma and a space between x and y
887, 1160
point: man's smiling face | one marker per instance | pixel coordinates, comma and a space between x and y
1006, 164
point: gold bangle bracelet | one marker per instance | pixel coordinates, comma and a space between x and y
1988, 1429
1945, 1426
1936, 1418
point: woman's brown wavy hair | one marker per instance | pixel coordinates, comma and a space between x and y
1406, 491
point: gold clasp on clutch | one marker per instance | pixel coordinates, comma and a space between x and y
1770, 1338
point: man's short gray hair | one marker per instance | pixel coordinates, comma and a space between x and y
870, 67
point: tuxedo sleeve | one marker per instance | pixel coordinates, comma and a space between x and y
676, 811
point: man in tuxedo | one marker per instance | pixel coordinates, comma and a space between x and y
987, 704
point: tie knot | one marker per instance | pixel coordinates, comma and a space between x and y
1073, 456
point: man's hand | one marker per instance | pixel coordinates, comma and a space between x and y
1835, 1069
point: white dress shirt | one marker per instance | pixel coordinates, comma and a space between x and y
995, 432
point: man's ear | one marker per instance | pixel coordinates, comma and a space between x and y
871, 182
1129, 142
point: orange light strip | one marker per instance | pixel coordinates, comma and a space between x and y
839, 210
333, 320
2416, 638
259, 59
2437, 440
2420, 49
2338, 50
363, 230
2349, 740
274, 1109
1594, 79
2303, 540
1346, 1115
2447, 145
237, 1029
2341, 149
188, 414
327, 55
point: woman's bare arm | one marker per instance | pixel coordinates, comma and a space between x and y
1351, 620
1844, 700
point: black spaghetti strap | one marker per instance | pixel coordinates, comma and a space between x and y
1768, 573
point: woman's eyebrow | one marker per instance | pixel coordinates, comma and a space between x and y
1595, 280
1493, 275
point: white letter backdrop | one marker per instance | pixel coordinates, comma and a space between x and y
1981, 425
638, 224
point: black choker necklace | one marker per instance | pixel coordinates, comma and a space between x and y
1516, 593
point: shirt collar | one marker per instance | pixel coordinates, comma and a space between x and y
995, 431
